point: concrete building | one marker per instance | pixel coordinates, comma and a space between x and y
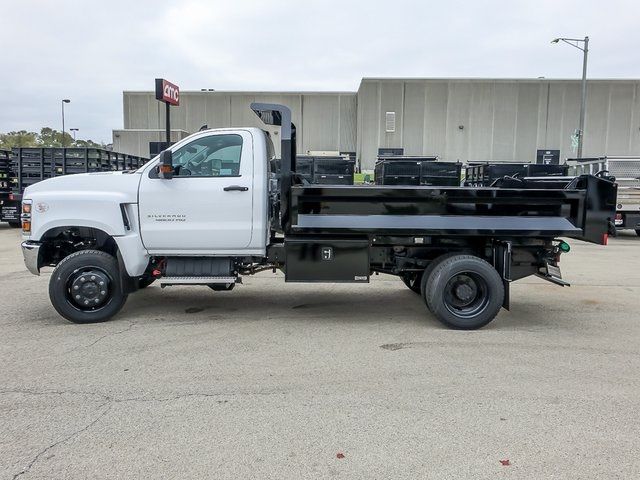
456, 119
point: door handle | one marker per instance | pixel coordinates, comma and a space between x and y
235, 188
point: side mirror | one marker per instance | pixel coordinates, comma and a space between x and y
165, 166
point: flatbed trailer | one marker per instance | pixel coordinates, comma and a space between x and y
458, 247
5, 187
25, 166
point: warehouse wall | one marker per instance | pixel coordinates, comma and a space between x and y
457, 119
498, 120
324, 121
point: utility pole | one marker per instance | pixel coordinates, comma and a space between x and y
576, 43
66, 100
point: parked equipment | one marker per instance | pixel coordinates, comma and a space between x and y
405, 170
5, 189
326, 170
27, 166
181, 220
485, 174
626, 171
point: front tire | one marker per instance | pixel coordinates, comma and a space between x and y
86, 287
464, 292
638, 232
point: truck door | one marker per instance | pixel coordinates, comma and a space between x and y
207, 207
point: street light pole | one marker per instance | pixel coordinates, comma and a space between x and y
66, 100
575, 42
583, 106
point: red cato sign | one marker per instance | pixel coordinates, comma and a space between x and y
167, 92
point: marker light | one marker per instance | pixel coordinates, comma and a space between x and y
564, 247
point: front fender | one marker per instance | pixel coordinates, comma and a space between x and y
64, 209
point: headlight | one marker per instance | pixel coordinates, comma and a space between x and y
26, 216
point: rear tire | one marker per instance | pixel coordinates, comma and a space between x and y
638, 231
427, 272
86, 287
15, 224
464, 292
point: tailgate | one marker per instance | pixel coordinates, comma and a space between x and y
599, 208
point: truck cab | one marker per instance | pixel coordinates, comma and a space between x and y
216, 202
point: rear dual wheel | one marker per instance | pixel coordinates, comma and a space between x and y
463, 291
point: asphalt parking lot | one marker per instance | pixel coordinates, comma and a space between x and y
325, 381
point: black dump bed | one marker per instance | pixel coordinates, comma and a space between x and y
584, 211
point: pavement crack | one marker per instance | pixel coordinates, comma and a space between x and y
53, 392
35, 459
99, 339
189, 395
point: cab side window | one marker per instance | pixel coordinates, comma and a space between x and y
211, 156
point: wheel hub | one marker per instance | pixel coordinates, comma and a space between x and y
89, 289
464, 292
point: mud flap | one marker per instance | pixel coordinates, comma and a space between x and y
127, 284
551, 273
507, 294
502, 263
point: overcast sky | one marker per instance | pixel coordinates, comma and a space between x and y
90, 51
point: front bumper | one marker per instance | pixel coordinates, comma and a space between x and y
31, 254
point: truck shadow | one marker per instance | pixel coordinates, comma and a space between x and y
302, 303
393, 303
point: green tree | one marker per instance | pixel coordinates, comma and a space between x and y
48, 137
88, 143
17, 139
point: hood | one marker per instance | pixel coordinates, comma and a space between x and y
121, 184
